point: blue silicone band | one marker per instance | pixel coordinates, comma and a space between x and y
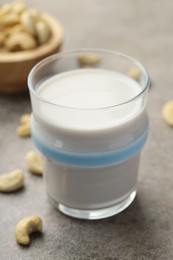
92, 159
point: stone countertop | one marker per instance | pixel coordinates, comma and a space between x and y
144, 231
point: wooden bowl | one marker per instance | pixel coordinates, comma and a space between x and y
15, 67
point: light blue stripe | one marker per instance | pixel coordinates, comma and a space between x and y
92, 159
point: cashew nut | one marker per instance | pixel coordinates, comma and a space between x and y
18, 7
28, 23
11, 181
10, 20
167, 113
25, 118
33, 163
5, 9
35, 14
27, 226
20, 41
134, 73
43, 31
24, 129
88, 60
12, 30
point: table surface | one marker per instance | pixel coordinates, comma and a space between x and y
142, 29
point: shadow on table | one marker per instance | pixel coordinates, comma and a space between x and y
128, 234
12, 106
11, 97
133, 215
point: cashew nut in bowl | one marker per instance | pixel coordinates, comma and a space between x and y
27, 226
34, 30
33, 163
43, 31
12, 181
27, 22
20, 41
18, 7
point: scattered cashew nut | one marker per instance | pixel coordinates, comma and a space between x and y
25, 118
88, 60
12, 181
34, 163
24, 130
27, 226
134, 73
167, 113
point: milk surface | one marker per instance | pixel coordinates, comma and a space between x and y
89, 89
86, 90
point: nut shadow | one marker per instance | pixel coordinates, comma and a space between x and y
34, 238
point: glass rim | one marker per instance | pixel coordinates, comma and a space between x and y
86, 50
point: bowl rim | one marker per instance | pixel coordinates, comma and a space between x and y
41, 51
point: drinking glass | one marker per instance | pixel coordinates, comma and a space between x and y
90, 123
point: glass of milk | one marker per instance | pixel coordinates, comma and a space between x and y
90, 123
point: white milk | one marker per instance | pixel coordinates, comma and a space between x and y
89, 89
86, 118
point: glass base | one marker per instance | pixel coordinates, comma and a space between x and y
97, 213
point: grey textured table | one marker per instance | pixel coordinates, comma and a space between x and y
142, 29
